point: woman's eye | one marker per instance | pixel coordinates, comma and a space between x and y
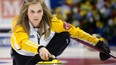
32, 12
39, 11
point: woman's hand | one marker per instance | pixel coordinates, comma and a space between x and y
44, 53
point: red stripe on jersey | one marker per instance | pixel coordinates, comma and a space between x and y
66, 26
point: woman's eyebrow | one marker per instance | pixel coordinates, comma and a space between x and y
36, 10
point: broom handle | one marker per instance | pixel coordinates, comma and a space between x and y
91, 46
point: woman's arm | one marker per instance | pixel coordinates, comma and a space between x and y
61, 26
20, 41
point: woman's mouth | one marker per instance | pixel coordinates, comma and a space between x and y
36, 19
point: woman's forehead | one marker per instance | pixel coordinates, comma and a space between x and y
33, 1
36, 6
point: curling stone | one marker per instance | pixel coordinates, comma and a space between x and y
53, 62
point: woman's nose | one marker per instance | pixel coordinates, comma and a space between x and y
36, 15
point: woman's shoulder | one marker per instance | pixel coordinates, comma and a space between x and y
14, 22
56, 20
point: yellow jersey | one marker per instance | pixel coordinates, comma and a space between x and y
21, 43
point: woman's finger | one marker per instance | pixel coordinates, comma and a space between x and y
46, 56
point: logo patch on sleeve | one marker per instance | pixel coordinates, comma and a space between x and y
66, 26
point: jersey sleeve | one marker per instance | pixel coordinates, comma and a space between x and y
20, 40
75, 32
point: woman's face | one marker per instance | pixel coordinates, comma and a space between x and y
35, 14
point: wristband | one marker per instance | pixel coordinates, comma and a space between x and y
40, 48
